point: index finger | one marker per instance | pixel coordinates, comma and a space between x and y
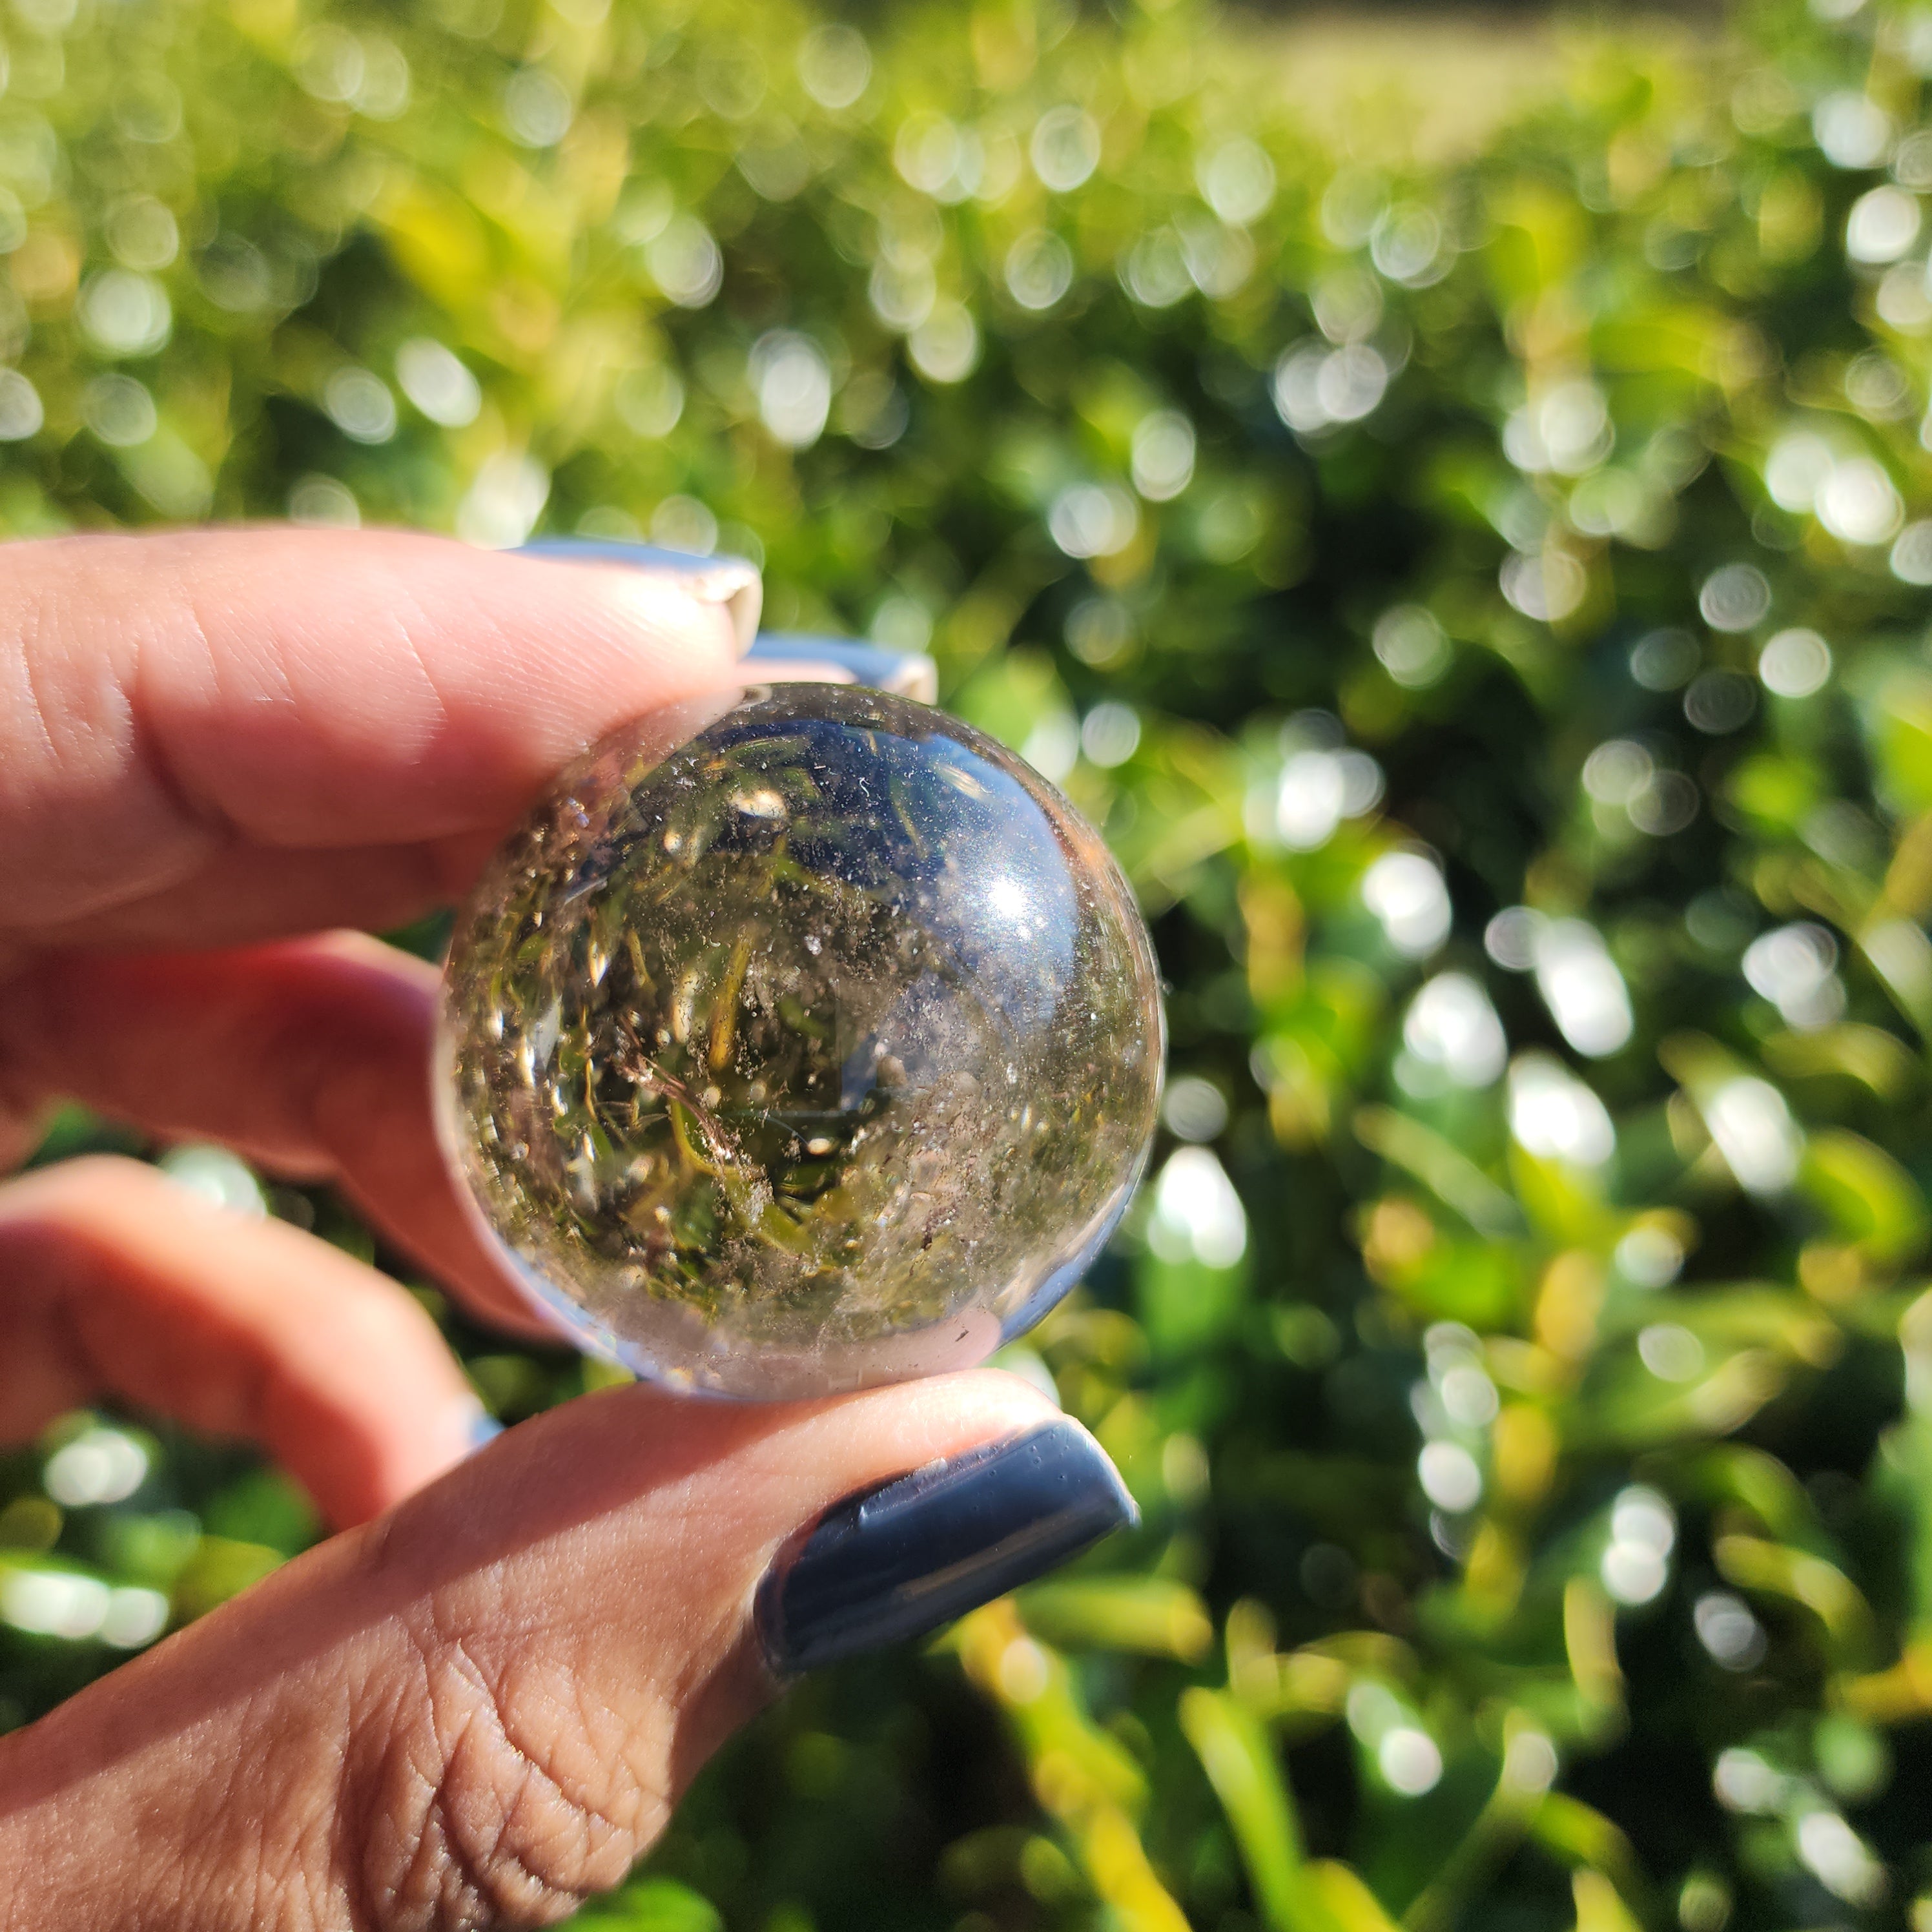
217, 736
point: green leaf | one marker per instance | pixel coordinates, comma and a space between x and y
1869, 1197
1152, 1616
653, 1905
1239, 1758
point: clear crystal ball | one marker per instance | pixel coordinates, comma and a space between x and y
801, 1038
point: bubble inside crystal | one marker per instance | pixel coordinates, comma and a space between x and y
801, 1038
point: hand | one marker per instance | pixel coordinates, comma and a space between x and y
478, 1703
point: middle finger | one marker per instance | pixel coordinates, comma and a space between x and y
114, 1281
310, 1056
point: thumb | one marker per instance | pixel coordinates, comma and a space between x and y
480, 1708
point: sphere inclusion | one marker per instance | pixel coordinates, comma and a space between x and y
801, 1045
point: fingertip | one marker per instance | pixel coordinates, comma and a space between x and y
124, 1284
443, 1435
729, 585
700, 622
977, 1404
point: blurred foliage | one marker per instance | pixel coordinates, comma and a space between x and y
1484, 608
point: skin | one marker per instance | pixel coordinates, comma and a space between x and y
477, 1703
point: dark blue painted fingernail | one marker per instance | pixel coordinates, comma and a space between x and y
898, 1560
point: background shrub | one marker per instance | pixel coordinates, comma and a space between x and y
1484, 607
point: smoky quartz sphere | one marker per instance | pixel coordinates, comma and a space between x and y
801, 1038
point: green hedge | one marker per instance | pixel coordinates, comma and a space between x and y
1484, 605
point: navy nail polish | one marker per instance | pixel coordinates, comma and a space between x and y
898, 1560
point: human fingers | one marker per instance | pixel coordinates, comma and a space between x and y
275, 729
116, 1282
480, 1709
311, 1056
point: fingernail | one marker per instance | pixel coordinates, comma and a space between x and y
732, 581
895, 1562
802, 655
474, 1426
